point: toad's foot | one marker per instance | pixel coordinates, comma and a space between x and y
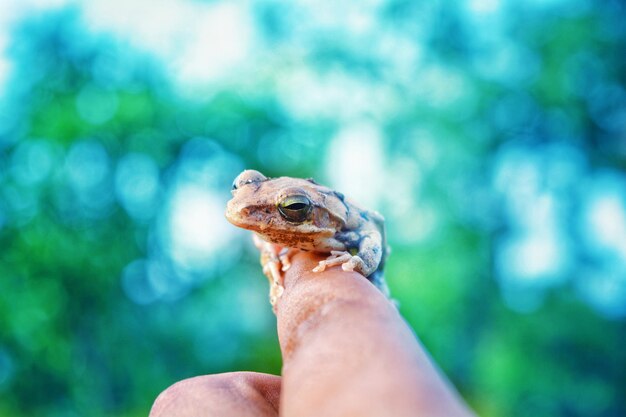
271, 260
347, 261
285, 257
271, 269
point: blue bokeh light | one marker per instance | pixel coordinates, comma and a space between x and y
604, 288
537, 258
7, 369
136, 284
539, 189
137, 185
191, 234
95, 104
603, 221
86, 165
33, 161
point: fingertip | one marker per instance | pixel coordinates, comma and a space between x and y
311, 298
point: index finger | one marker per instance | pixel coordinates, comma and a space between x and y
347, 351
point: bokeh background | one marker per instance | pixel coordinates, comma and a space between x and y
490, 133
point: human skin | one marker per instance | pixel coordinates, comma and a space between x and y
346, 352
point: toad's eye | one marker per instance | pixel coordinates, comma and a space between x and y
295, 208
247, 177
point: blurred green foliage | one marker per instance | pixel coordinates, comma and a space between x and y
103, 307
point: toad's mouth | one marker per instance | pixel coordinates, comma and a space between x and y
240, 221
235, 213
250, 218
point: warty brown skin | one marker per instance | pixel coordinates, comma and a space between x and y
334, 223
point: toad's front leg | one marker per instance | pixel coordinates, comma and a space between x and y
337, 257
272, 258
364, 260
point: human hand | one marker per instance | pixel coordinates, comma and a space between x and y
346, 352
